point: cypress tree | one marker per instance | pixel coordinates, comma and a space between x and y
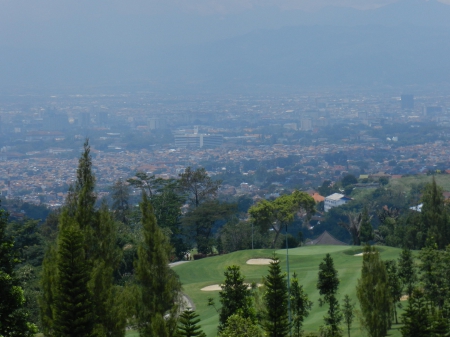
435, 215
300, 305
328, 284
406, 270
73, 301
276, 323
13, 316
348, 313
158, 286
188, 325
394, 284
100, 252
234, 296
373, 294
416, 318
110, 319
48, 283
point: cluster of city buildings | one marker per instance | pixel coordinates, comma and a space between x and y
40, 140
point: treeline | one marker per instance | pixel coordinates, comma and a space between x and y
108, 265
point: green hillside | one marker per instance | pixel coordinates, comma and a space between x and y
304, 261
405, 183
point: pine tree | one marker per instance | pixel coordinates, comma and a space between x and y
276, 323
100, 253
300, 305
348, 310
366, 230
373, 294
158, 285
73, 301
110, 319
188, 324
13, 316
394, 284
48, 289
416, 318
435, 215
406, 270
328, 284
234, 296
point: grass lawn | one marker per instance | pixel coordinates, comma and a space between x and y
304, 261
405, 183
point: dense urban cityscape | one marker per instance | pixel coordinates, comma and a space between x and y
304, 139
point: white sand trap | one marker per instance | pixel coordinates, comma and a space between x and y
361, 254
217, 287
259, 261
404, 298
214, 287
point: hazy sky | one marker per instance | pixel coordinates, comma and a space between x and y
40, 38
36, 10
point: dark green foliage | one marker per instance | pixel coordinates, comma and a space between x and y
101, 258
158, 286
366, 230
280, 212
237, 326
234, 296
276, 322
300, 305
435, 215
394, 284
198, 186
28, 242
407, 271
416, 318
73, 301
328, 284
374, 295
120, 195
13, 316
349, 179
435, 274
348, 311
200, 222
188, 324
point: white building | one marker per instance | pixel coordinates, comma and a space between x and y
335, 200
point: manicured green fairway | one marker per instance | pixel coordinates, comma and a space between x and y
304, 261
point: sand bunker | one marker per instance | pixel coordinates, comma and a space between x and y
361, 254
404, 298
259, 261
216, 287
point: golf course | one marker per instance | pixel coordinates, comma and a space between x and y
305, 261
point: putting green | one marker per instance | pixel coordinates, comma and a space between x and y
304, 261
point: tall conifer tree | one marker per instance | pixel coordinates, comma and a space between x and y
276, 323
374, 295
74, 315
100, 253
159, 286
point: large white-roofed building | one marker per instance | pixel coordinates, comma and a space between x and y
334, 200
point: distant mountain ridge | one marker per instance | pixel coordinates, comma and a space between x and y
405, 43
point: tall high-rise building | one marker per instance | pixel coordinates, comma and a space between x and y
407, 102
